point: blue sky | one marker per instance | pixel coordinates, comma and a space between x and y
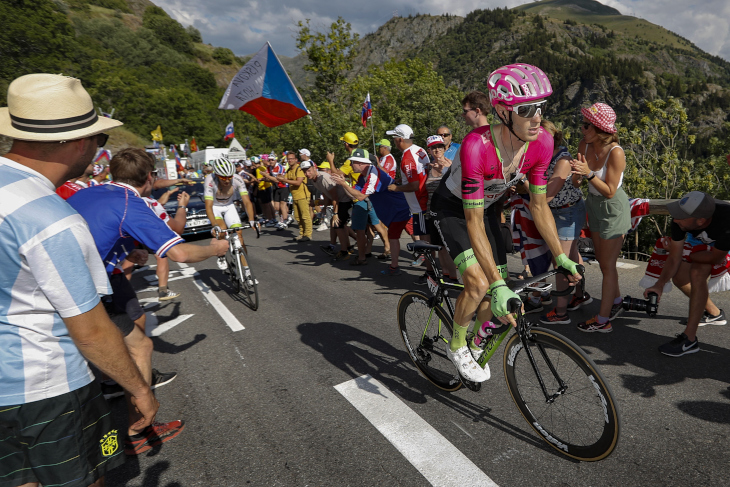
245, 25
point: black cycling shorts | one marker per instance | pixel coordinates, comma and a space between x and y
450, 228
281, 194
343, 213
265, 195
125, 307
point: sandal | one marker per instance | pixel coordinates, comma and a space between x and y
357, 261
383, 256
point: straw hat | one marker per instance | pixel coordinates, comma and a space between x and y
50, 108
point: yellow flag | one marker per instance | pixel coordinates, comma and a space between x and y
157, 134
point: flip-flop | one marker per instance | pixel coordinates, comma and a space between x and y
357, 261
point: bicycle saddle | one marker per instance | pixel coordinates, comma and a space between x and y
419, 246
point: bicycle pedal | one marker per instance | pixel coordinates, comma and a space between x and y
472, 386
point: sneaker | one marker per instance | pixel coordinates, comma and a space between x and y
342, 255
289, 220
383, 256
419, 261
111, 390
466, 365
376, 236
270, 223
281, 226
250, 281
680, 346
593, 325
302, 239
167, 295
322, 227
152, 436
577, 302
422, 279
159, 379
222, 264
552, 318
530, 307
616, 310
391, 272
328, 249
708, 319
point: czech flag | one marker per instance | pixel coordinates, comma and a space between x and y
229, 132
178, 162
263, 89
367, 111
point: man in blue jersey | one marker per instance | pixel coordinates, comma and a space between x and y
117, 217
55, 427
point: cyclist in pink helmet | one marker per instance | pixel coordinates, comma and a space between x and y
491, 159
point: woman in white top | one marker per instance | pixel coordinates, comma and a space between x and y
601, 162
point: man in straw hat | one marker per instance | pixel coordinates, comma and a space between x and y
51, 318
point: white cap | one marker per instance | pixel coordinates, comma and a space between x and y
403, 131
435, 140
305, 152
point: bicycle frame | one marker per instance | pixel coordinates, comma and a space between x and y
440, 289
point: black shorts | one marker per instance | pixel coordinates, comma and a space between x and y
450, 228
281, 194
265, 195
65, 440
343, 213
125, 308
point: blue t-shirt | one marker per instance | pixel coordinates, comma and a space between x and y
451, 151
390, 206
117, 216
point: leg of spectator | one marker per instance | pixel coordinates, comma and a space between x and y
394, 252
127, 268
698, 275
682, 280
607, 252
383, 231
163, 271
362, 242
140, 349
304, 208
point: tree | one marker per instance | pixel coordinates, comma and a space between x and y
329, 55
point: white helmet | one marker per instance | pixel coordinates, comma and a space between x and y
224, 167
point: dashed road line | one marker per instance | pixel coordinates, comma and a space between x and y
437, 459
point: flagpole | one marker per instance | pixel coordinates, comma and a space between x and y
372, 130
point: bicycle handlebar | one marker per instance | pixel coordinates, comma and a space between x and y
519, 285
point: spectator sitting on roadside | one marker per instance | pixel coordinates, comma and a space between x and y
696, 216
57, 427
117, 216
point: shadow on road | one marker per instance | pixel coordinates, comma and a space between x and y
358, 353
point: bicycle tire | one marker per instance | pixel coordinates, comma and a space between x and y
249, 293
583, 422
426, 332
233, 272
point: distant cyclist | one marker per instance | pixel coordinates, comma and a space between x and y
222, 188
490, 160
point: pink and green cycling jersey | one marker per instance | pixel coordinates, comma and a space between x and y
476, 177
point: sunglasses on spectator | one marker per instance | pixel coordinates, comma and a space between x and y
464, 111
101, 139
529, 110
438, 147
445, 135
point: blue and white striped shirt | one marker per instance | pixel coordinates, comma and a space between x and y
50, 270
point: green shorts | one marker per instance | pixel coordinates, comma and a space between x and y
65, 440
609, 217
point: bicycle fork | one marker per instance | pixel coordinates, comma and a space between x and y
561, 390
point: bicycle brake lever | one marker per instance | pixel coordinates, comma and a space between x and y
561, 270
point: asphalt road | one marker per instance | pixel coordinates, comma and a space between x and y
262, 408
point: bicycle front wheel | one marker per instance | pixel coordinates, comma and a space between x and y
579, 418
249, 288
426, 332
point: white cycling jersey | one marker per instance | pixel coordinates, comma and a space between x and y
211, 192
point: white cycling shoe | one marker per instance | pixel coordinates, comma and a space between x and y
466, 365
222, 264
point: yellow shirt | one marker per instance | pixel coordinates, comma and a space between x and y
263, 184
347, 170
301, 192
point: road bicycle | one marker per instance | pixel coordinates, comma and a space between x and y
239, 270
558, 389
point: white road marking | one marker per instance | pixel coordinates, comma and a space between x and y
439, 461
208, 294
157, 329
625, 265
183, 273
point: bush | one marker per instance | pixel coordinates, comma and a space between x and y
223, 55
167, 30
194, 34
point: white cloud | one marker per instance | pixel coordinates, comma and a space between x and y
244, 25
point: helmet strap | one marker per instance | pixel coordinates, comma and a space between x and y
509, 126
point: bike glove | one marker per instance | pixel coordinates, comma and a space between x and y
501, 295
563, 261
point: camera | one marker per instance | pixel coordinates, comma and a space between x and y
650, 305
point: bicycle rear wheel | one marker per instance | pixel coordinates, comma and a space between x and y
581, 420
426, 332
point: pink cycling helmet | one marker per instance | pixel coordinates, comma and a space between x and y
518, 83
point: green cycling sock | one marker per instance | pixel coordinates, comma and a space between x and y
458, 339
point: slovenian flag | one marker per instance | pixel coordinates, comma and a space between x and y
367, 111
178, 162
263, 89
229, 132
